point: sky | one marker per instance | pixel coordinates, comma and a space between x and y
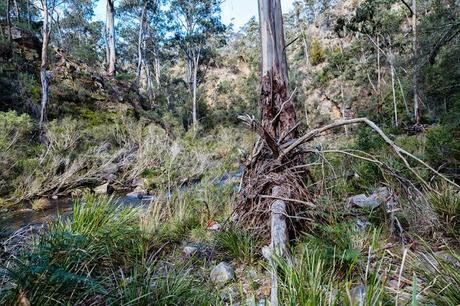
237, 12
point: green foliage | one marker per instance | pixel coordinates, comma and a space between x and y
15, 147
71, 261
317, 52
336, 241
237, 244
447, 206
175, 286
101, 255
309, 281
313, 279
441, 271
443, 148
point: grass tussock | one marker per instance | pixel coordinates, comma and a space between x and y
100, 254
238, 245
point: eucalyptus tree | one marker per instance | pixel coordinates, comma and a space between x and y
142, 32
47, 7
110, 36
196, 28
77, 32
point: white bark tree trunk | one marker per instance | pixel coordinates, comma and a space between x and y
196, 61
279, 238
278, 117
140, 42
111, 56
8, 20
44, 62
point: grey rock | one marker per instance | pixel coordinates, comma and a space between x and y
138, 181
374, 200
109, 172
362, 225
358, 295
138, 192
222, 273
189, 250
251, 301
103, 189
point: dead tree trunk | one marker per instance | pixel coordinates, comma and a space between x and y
44, 62
269, 183
415, 66
278, 114
111, 56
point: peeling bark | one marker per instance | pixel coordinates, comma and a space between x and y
278, 114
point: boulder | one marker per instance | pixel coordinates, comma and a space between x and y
379, 197
103, 189
222, 273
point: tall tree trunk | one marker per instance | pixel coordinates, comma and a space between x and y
274, 81
110, 16
196, 61
140, 42
278, 115
8, 20
415, 68
157, 70
44, 62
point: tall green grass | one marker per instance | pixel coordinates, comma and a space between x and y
237, 244
99, 256
315, 278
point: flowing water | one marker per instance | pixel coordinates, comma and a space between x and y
15, 220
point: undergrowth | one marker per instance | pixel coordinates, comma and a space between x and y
99, 254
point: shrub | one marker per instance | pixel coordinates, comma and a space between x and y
317, 52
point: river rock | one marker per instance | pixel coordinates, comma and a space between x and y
251, 301
222, 273
103, 189
138, 181
372, 201
138, 192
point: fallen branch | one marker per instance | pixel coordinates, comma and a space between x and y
398, 150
